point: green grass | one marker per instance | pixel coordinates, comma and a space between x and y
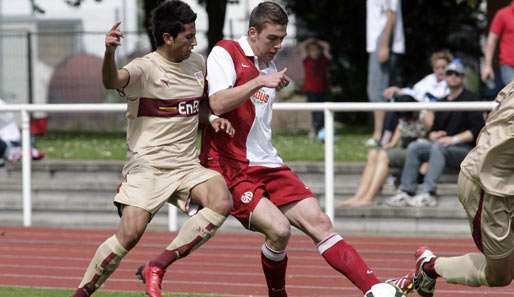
37, 292
111, 145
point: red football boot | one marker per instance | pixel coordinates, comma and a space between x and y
152, 277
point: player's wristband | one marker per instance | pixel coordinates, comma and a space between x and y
212, 118
455, 139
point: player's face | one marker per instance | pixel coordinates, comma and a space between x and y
181, 46
438, 67
268, 41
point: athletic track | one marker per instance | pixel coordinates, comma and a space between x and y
228, 264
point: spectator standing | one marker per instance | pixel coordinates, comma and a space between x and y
452, 136
316, 61
384, 41
502, 31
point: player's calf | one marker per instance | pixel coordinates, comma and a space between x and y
195, 232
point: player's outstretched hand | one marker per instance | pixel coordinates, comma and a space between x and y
113, 37
277, 80
221, 124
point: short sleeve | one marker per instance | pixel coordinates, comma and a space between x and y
498, 24
136, 70
391, 5
221, 73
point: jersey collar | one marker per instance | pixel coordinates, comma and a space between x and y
247, 49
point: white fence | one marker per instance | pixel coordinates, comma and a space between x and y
328, 107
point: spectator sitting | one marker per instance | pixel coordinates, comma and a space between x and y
316, 59
451, 137
10, 139
411, 126
432, 87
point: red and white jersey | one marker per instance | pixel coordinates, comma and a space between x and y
230, 64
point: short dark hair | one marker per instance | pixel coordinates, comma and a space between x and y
170, 17
267, 12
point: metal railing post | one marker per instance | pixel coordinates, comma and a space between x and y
329, 162
26, 168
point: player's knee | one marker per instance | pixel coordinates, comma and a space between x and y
129, 238
381, 155
219, 199
372, 154
281, 232
223, 204
322, 222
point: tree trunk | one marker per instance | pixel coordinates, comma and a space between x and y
216, 10
148, 7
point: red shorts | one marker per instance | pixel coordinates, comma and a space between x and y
248, 184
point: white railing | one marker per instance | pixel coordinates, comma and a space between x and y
327, 107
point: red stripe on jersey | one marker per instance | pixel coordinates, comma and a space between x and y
180, 107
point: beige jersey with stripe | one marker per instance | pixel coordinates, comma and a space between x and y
163, 105
491, 162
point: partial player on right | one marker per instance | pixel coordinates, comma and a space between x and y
486, 190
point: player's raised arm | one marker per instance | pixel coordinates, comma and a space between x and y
112, 77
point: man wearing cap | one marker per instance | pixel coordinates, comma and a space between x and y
451, 137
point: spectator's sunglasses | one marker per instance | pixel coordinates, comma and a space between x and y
451, 72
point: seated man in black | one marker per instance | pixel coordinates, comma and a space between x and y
451, 137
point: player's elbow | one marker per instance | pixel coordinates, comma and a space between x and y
109, 83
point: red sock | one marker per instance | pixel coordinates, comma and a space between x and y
345, 259
274, 266
165, 259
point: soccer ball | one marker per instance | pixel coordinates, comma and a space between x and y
384, 290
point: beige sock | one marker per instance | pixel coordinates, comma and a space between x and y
106, 259
467, 270
196, 231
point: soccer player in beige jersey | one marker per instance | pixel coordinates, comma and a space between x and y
486, 190
164, 91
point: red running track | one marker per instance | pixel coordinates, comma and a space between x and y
228, 264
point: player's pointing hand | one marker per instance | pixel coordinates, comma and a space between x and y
276, 80
113, 37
